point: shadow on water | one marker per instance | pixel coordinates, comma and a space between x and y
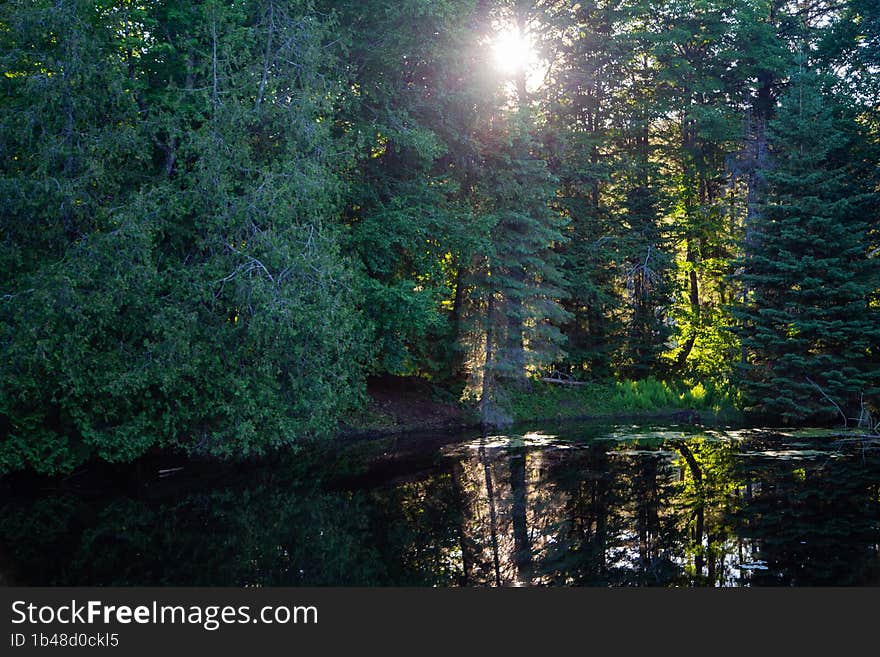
583, 505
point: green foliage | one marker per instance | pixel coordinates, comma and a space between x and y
199, 300
520, 268
616, 257
808, 326
406, 220
218, 218
644, 397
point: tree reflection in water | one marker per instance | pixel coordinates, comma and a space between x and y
594, 506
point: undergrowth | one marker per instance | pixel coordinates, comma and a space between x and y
645, 397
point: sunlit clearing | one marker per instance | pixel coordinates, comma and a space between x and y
513, 52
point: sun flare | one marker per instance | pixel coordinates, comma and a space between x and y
513, 52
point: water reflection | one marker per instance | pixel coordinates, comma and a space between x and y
589, 506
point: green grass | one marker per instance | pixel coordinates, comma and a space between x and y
601, 399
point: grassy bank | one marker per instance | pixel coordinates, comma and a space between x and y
648, 397
403, 404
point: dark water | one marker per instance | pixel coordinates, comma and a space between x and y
582, 505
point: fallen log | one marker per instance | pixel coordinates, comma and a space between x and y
563, 382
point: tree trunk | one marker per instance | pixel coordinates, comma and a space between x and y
457, 361
488, 391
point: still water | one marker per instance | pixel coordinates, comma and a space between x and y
580, 505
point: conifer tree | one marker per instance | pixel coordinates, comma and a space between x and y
808, 328
520, 281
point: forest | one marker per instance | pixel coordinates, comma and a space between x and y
219, 220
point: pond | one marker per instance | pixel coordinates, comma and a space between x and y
578, 505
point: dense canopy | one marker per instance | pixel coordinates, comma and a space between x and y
219, 218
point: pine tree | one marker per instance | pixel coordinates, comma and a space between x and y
583, 91
808, 329
402, 116
519, 282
